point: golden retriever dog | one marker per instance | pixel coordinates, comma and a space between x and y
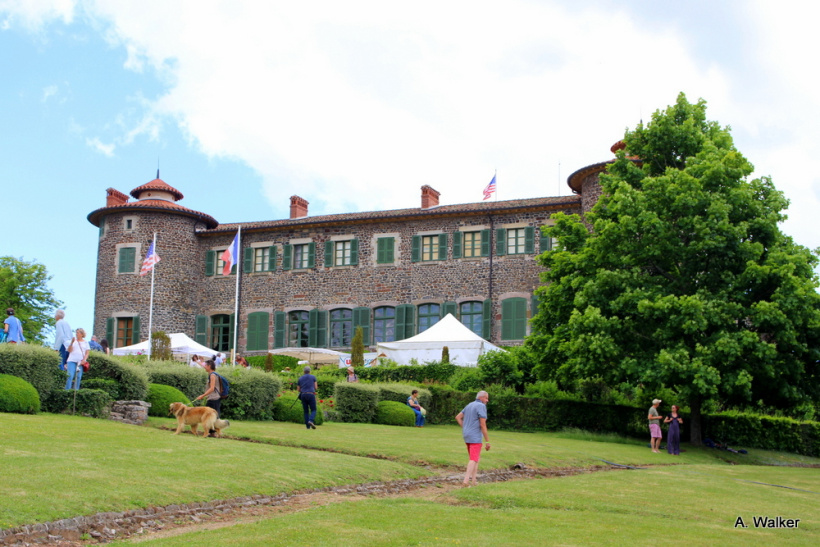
196, 415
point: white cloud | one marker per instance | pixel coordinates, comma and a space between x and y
99, 146
49, 91
35, 14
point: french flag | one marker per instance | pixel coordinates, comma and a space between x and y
230, 256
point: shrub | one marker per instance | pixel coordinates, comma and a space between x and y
357, 348
499, 367
36, 365
94, 403
467, 379
191, 381
356, 402
132, 379
288, 408
109, 386
445, 403
278, 362
401, 392
434, 372
547, 390
393, 413
161, 397
18, 396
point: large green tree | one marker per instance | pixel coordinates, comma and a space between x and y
24, 287
685, 279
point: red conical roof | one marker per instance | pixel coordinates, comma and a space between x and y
158, 185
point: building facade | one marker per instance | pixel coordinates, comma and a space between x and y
310, 281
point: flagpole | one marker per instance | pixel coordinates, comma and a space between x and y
151, 305
236, 298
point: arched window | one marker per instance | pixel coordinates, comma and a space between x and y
471, 316
298, 329
384, 324
221, 332
341, 327
429, 315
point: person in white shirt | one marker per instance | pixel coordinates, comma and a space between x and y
78, 350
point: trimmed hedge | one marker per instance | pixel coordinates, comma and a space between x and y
401, 392
288, 408
132, 379
252, 395
768, 432
326, 383
393, 413
90, 402
109, 386
161, 397
37, 365
356, 402
434, 372
18, 396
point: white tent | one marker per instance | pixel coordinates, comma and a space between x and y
464, 345
180, 343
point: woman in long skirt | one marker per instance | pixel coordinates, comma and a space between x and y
673, 436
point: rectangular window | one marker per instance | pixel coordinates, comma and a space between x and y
385, 250
384, 324
471, 244
127, 331
127, 260
341, 253
301, 256
261, 259
515, 241
429, 248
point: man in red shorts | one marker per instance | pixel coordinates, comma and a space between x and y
473, 422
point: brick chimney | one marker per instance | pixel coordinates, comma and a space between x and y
298, 207
429, 197
114, 198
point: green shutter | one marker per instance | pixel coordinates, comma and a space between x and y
329, 254
405, 321
457, 244
210, 262
487, 319
384, 253
317, 328
500, 242
287, 259
485, 242
442, 246
449, 307
354, 252
135, 334
201, 334
127, 260
545, 243
279, 324
247, 259
110, 332
529, 240
272, 258
311, 255
415, 252
258, 323
513, 319
361, 318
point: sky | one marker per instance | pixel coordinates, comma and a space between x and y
355, 105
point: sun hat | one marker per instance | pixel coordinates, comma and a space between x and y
656, 401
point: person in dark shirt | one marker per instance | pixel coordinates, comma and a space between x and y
307, 387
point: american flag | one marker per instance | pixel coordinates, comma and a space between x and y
150, 259
490, 189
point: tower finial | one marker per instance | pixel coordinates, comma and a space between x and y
157, 166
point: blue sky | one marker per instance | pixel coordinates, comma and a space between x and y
355, 105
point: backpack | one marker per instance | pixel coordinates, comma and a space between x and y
224, 386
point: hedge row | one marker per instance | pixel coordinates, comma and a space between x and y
95, 403
438, 373
767, 432
252, 394
36, 365
358, 402
288, 408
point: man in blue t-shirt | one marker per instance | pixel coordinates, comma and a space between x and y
473, 422
307, 387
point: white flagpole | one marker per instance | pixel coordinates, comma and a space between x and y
236, 299
151, 305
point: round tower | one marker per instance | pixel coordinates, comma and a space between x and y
127, 228
585, 181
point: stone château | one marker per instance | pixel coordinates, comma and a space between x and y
311, 280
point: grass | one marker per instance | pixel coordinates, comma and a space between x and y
57, 466
690, 505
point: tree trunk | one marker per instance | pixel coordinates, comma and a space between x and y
694, 422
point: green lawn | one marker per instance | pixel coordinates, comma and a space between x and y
58, 467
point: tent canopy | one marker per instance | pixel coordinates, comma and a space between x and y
180, 343
464, 345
